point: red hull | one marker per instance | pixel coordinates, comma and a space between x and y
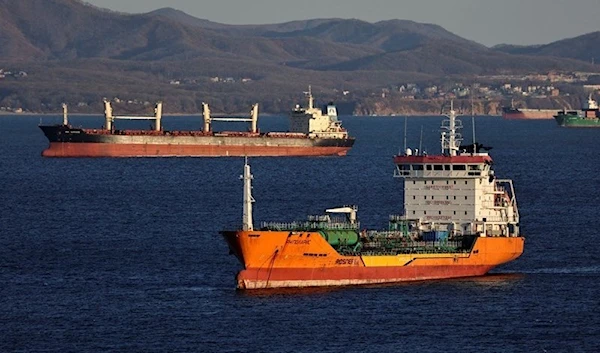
343, 276
64, 149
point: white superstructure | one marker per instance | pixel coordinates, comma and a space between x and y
315, 122
591, 104
456, 192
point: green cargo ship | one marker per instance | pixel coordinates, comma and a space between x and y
589, 116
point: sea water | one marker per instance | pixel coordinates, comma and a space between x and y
124, 255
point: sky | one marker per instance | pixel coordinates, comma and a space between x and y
489, 22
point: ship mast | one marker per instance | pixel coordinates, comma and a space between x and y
65, 114
248, 199
450, 138
473, 124
452, 135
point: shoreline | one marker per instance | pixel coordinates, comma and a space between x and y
422, 115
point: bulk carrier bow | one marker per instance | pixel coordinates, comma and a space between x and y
459, 220
313, 132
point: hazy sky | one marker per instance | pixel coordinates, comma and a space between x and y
488, 22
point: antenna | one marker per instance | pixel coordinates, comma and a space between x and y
421, 141
473, 124
405, 124
310, 98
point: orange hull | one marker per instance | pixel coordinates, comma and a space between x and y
64, 149
323, 277
286, 259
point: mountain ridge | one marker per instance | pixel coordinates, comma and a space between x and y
578, 48
169, 53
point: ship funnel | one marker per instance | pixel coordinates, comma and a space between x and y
65, 114
247, 223
332, 111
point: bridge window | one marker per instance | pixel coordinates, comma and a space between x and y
438, 167
428, 166
417, 167
459, 167
447, 166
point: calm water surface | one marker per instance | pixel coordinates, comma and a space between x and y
124, 255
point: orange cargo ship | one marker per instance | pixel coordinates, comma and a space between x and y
313, 132
459, 220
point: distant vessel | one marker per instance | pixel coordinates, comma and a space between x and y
459, 220
313, 132
588, 116
521, 113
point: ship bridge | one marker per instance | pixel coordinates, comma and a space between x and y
456, 191
316, 122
